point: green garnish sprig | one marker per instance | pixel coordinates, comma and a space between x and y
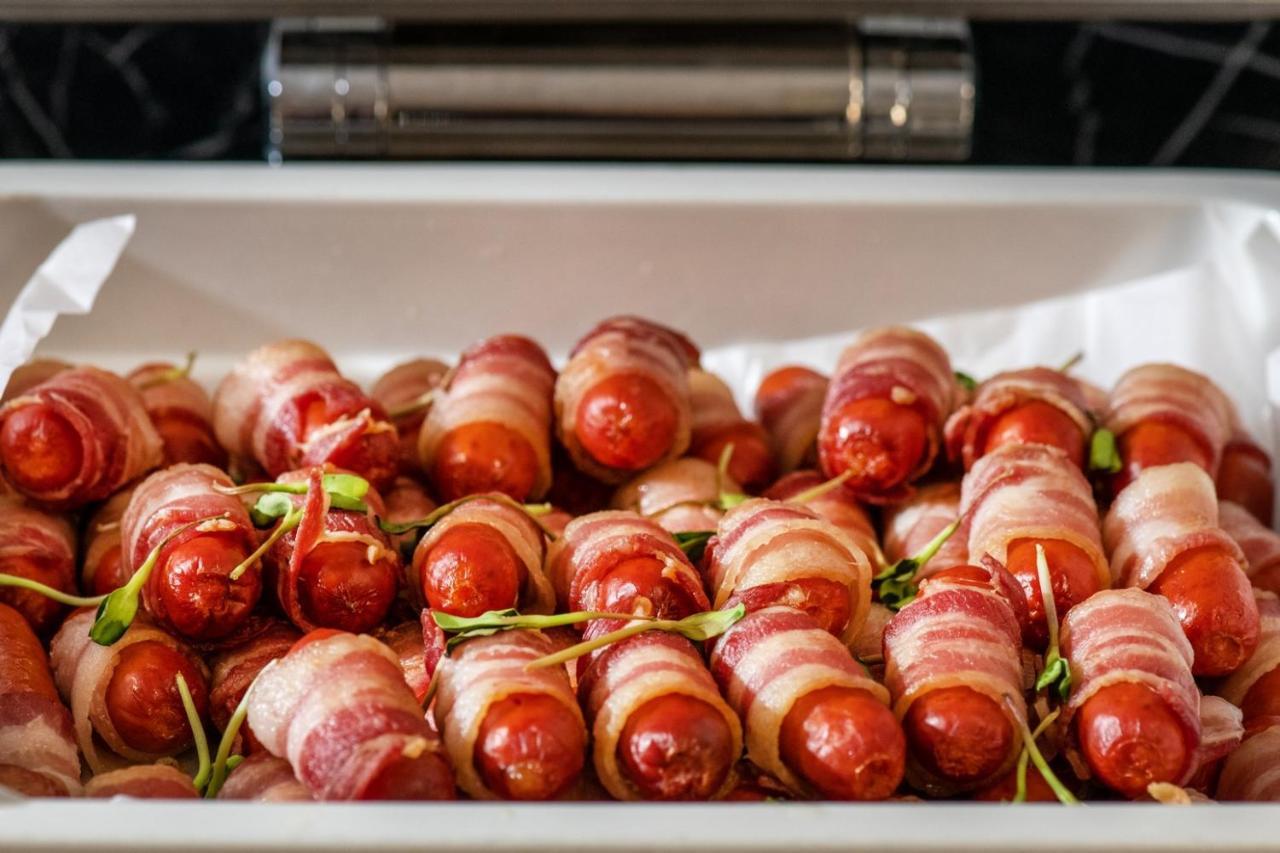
1056, 674
172, 374
204, 768
534, 511
1032, 752
896, 585
463, 628
1104, 455
696, 627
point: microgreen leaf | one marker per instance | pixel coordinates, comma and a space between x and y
896, 584
694, 543
270, 508
1056, 673
967, 381
697, 627
201, 778
346, 485
1104, 456
118, 608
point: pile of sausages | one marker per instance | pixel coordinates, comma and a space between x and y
1146, 509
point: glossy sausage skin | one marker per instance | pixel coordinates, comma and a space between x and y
484, 457
1130, 738
1214, 602
471, 569
844, 743
626, 421
826, 600
676, 747
1151, 443
1071, 572
42, 451
188, 438
24, 666
637, 585
881, 441
752, 460
142, 697
529, 747
192, 591
959, 734
1037, 422
111, 572
338, 587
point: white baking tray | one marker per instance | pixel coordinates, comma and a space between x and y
378, 262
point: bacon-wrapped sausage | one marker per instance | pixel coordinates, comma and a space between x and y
660, 730
338, 709
618, 562
124, 698
953, 665
336, 569
511, 733
190, 590
1162, 533
235, 668
1036, 405
766, 553
812, 716
1134, 703
1259, 543
285, 406
104, 567
910, 526
31, 374
264, 778
484, 555
405, 386
1162, 414
1254, 688
1252, 772
681, 495
789, 406
837, 505
884, 412
1022, 495
490, 428
717, 423
182, 414
38, 755
39, 546
622, 401
76, 438
143, 782
1244, 477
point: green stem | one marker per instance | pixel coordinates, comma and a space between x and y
49, 592
696, 627
583, 648
171, 374
896, 583
815, 492
534, 511
1029, 744
222, 765
412, 407
1072, 362
289, 522
197, 732
1020, 796
1046, 592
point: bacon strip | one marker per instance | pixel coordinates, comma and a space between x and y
967, 428
1221, 730
29, 375
264, 778
958, 633
592, 545
1252, 772
616, 681
1029, 491
1259, 544
522, 534
263, 411
178, 400
764, 553
160, 505
1166, 392
766, 663
717, 422
1127, 635
337, 708
789, 406
405, 640
506, 380
117, 440
910, 526
40, 546
480, 673
681, 495
143, 782
624, 345
899, 364
838, 506
404, 385
105, 567
235, 668
1167, 511
1235, 687
322, 524
82, 670
38, 755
